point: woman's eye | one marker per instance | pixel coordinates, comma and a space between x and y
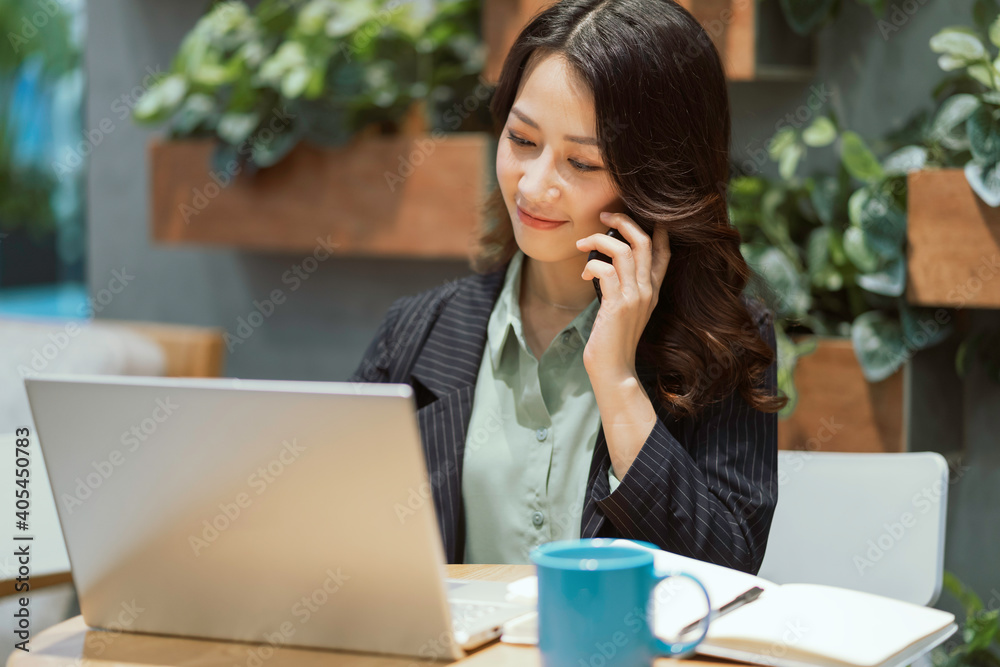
583, 167
518, 140
523, 142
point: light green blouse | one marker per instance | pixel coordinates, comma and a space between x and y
531, 436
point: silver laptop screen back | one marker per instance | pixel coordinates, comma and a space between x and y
237, 509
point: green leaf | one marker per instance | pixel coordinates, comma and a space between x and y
837, 255
224, 157
964, 354
823, 194
747, 186
883, 222
349, 15
984, 74
214, 73
950, 63
822, 272
770, 202
789, 353
959, 42
904, 160
920, 326
780, 142
857, 159
234, 128
804, 16
787, 360
889, 280
275, 16
781, 276
312, 17
197, 111
161, 99
942, 659
859, 251
994, 32
984, 135
821, 132
268, 153
294, 82
966, 597
981, 629
878, 345
789, 161
948, 126
985, 181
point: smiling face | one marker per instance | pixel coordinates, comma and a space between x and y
548, 162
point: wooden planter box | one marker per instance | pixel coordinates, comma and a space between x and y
411, 195
953, 255
752, 37
840, 411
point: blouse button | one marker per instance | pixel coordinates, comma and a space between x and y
541, 434
538, 518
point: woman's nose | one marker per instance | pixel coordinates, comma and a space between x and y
538, 184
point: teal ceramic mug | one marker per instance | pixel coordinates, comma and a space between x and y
595, 605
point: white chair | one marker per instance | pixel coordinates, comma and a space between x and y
868, 522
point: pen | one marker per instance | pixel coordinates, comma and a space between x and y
735, 603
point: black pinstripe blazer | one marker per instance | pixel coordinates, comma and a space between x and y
702, 488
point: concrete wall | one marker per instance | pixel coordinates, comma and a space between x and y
320, 332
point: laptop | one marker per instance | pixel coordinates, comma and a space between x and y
292, 513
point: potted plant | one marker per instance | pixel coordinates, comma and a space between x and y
831, 250
359, 121
978, 643
954, 222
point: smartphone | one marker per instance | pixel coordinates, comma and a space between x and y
596, 254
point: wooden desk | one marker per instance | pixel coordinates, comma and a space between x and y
71, 642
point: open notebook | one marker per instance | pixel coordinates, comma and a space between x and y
790, 625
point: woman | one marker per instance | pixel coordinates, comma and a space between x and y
547, 413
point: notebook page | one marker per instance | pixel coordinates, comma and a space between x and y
902, 659
675, 605
722, 583
680, 603
812, 621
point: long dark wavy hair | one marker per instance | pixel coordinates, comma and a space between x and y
663, 128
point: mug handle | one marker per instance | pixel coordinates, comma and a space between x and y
680, 649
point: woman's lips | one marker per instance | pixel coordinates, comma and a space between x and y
535, 222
